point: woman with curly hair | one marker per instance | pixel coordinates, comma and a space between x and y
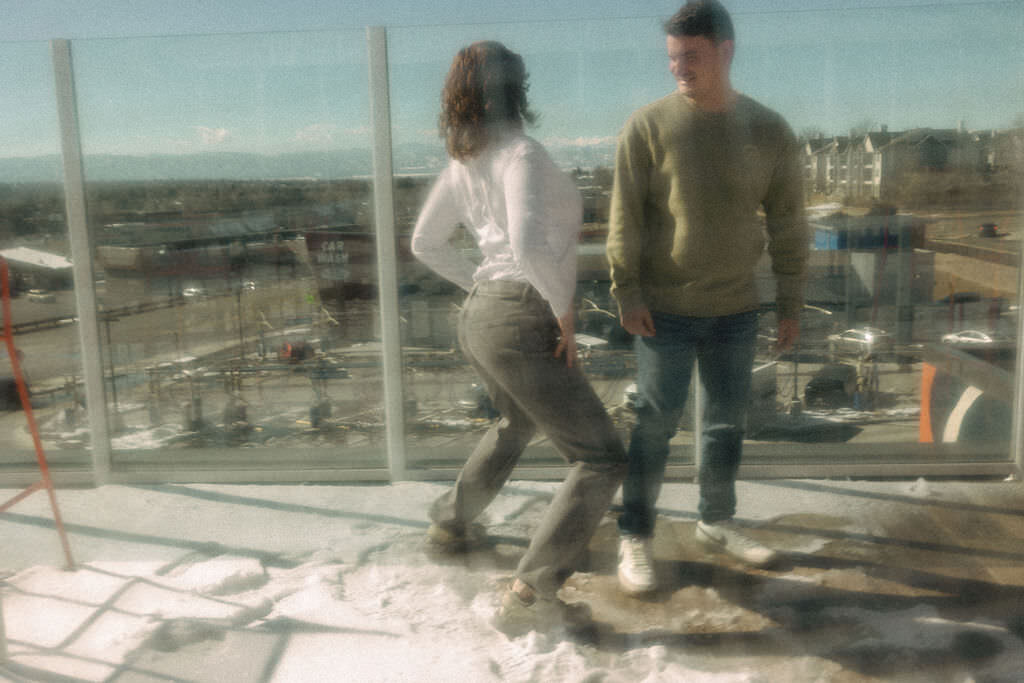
516, 327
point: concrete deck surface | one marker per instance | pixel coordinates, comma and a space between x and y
885, 580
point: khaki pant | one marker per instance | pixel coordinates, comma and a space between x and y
509, 335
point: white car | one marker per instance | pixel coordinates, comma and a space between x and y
41, 296
973, 337
861, 341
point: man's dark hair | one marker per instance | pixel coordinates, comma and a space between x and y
706, 18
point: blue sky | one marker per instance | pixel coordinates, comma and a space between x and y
247, 75
45, 19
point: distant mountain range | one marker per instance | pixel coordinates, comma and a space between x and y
409, 159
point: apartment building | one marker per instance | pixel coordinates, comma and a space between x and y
875, 165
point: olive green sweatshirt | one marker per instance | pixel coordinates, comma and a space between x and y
685, 230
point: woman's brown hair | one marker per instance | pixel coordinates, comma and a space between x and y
486, 85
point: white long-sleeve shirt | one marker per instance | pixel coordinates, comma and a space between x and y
524, 212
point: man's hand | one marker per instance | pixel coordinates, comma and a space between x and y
638, 321
789, 332
567, 343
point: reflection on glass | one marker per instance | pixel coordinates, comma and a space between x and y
232, 217
228, 194
909, 331
34, 242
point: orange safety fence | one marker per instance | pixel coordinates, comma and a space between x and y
45, 482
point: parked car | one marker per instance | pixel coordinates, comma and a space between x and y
973, 337
832, 386
478, 403
41, 296
960, 298
988, 230
295, 351
10, 399
860, 341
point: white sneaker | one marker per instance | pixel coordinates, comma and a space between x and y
636, 565
726, 537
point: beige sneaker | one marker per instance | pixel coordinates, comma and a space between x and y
725, 537
458, 538
519, 614
636, 565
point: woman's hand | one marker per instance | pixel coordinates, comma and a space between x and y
567, 343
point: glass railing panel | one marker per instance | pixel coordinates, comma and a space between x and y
904, 171
231, 210
568, 65
909, 335
34, 242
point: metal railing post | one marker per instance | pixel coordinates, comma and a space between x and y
698, 402
3, 630
1017, 431
81, 260
387, 258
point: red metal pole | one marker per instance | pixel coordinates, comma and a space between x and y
26, 403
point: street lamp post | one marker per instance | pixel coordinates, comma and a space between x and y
238, 304
107, 319
795, 405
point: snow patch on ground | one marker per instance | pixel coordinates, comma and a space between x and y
361, 595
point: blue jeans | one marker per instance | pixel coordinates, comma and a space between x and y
724, 350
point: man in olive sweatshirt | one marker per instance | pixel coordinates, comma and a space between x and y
693, 172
